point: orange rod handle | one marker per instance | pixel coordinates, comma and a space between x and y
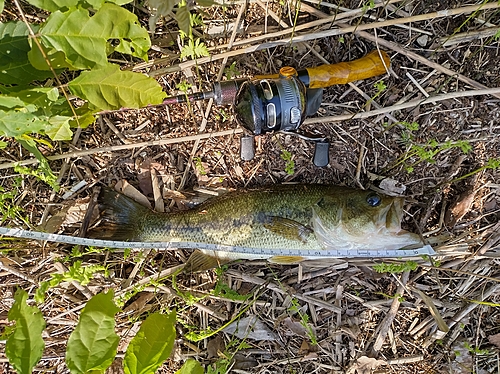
368, 66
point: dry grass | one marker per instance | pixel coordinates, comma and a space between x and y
441, 318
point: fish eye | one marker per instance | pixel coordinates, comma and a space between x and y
373, 199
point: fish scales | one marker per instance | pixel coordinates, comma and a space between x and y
280, 217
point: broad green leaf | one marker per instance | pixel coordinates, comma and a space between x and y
152, 344
57, 59
159, 8
60, 128
93, 343
35, 99
84, 39
182, 16
15, 67
117, 23
24, 347
110, 88
206, 3
1, 6
190, 367
9, 102
53, 5
14, 124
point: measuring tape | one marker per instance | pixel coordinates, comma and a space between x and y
330, 253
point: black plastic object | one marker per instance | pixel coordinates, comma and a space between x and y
321, 153
268, 105
247, 147
314, 97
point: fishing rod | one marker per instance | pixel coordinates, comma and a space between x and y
281, 102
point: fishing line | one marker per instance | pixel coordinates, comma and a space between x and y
327, 253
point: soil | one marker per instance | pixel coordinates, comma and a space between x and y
338, 316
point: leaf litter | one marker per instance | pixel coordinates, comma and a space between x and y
346, 302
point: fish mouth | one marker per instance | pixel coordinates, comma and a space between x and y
384, 233
391, 216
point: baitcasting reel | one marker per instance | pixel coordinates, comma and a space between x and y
281, 102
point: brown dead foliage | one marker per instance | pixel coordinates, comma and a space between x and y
336, 317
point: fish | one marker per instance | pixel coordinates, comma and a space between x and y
291, 216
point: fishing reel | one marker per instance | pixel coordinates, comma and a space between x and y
281, 102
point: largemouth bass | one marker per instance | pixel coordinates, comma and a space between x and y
312, 217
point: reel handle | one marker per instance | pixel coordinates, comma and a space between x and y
365, 67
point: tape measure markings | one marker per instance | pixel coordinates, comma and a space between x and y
331, 253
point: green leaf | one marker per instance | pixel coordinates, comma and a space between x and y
110, 88
15, 68
190, 367
2, 3
43, 172
9, 102
53, 5
195, 49
34, 99
84, 39
152, 344
159, 8
93, 343
60, 129
14, 124
182, 17
206, 3
24, 347
120, 24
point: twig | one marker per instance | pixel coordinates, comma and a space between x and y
115, 148
210, 102
389, 318
409, 104
17, 273
284, 290
405, 52
324, 34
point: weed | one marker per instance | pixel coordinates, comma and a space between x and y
8, 208
290, 164
223, 290
395, 268
76, 272
304, 320
427, 152
231, 71
492, 163
199, 166
475, 350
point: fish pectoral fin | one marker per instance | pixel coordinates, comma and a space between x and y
286, 260
288, 228
199, 261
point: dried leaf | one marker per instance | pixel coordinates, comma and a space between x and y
128, 190
250, 328
295, 327
461, 207
494, 339
215, 346
365, 365
392, 186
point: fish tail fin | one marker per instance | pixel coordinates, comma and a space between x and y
121, 217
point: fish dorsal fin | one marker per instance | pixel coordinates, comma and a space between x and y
286, 260
199, 261
288, 228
